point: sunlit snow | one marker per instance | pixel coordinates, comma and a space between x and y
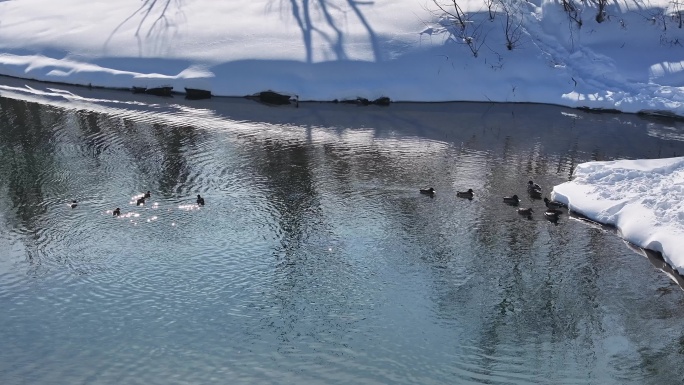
643, 199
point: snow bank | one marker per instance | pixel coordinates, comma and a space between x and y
643, 199
407, 50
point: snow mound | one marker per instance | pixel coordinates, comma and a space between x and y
643, 199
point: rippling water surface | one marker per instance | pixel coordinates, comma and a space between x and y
315, 259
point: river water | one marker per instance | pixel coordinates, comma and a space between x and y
315, 260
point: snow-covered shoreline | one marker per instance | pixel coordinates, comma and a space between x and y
643, 199
323, 50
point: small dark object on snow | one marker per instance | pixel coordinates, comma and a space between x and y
159, 91
197, 94
382, 101
270, 97
357, 101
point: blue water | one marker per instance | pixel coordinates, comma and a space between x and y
315, 259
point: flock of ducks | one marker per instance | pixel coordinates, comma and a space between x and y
552, 212
139, 202
553, 209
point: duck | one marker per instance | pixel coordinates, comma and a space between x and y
535, 194
73, 204
527, 211
513, 200
116, 212
552, 215
140, 201
147, 194
533, 186
429, 191
465, 194
553, 204
200, 200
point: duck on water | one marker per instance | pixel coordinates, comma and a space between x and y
465, 194
511, 200
531, 186
552, 215
553, 205
525, 211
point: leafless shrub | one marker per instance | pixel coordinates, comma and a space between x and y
512, 24
464, 29
658, 17
491, 8
573, 12
601, 11
677, 11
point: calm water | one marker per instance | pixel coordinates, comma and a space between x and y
315, 260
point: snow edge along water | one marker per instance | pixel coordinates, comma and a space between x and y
642, 199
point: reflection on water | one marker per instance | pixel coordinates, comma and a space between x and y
315, 259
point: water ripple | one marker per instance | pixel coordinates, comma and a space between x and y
315, 259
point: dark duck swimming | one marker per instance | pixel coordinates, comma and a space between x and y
511, 200
525, 211
552, 215
534, 190
465, 194
531, 186
553, 205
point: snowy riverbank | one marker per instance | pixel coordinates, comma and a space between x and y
342, 49
643, 199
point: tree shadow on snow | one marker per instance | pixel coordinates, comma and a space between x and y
335, 13
157, 21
